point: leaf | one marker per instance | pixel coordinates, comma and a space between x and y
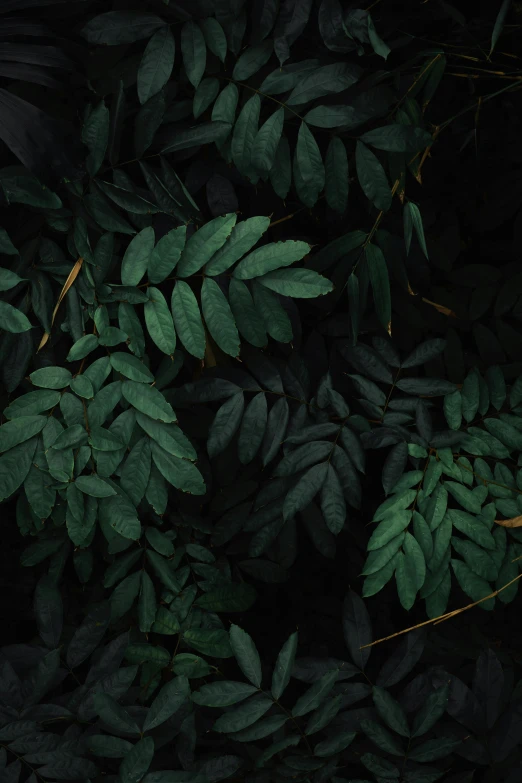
12, 320
247, 657
209, 642
218, 317
88, 635
204, 133
270, 257
336, 175
297, 283
284, 665
402, 660
137, 761
204, 243
243, 237
309, 161
286, 77
8, 279
222, 694
334, 744
315, 695
325, 80
166, 254
245, 131
159, 321
205, 96
266, 142
413, 219
381, 737
251, 60
108, 746
378, 45
156, 64
427, 387
390, 711
473, 585
187, 319
230, 598
194, 52
276, 320
305, 490
48, 609
167, 702
253, 428
115, 716
20, 429
333, 505
95, 135
118, 27
148, 400
434, 749
372, 178
432, 710
181, 473
398, 138
163, 571
215, 38
357, 628
94, 486
281, 172
82, 348
244, 716
499, 24
380, 283
136, 257
14, 467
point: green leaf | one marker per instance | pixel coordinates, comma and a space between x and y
135, 473
166, 623
431, 711
281, 171
202, 134
266, 142
136, 257
230, 598
131, 367
473, 585
166, 254
390, 711
222, 694
286, 77
7, 247
325, 80
94, 486
277, 323
252, 429
168, 436
187, 319
224, 110
19, 430
204, 243
270, 257
297, 283
434, 749
137, 761
48, 609
499, 24
159, 321
243, 237
95, 135
284, 665
406, 580
372, 178
163, 570
108, 747
309, 159
225, 425
12, 320
8, 279
391, 526
334, 744
181, 473
315, 695
413, 219
378, 45
218, 317
398, 138
215, 37
333, 504
156, 64
205, 95
305, 490
214, 643
194, 52
167, 702
381, 737
131, 325
14, 467
123, 517
115, 716
247, 318
380, 283
245, 131
159, 541
82, 348
336, 175
247, 657
251, 60
118, 27
245, 715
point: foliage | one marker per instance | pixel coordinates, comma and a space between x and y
261, 393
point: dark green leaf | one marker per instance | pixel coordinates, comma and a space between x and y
156, 64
